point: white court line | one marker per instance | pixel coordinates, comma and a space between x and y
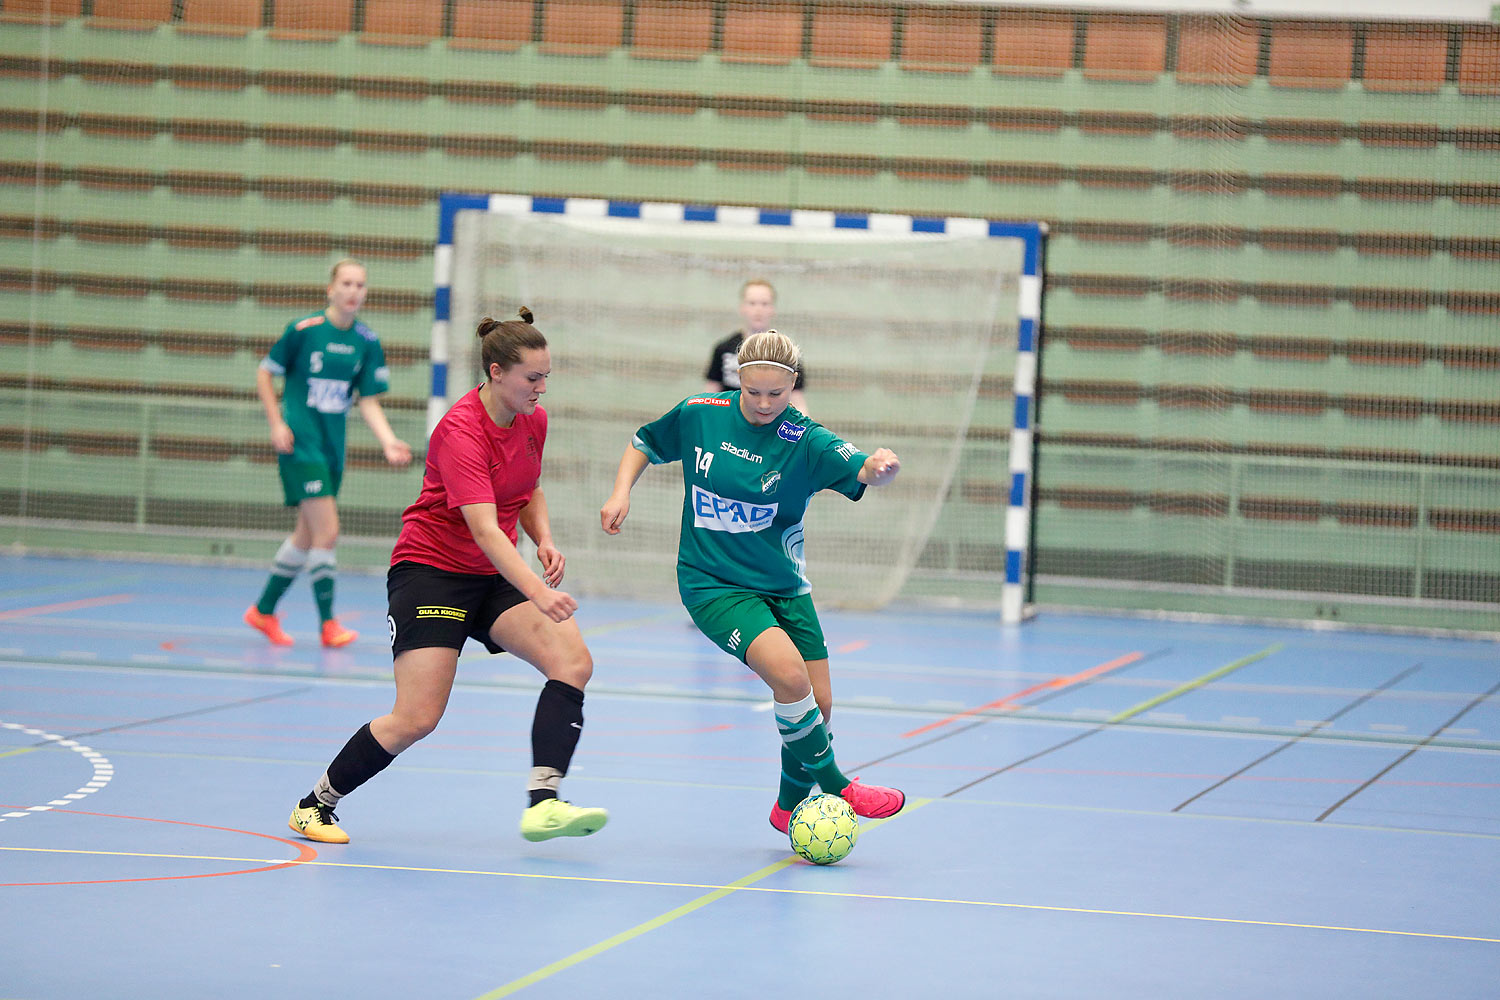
103, 770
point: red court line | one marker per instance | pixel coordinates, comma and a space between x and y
1012, 702
47, 609
854, 647
304, 852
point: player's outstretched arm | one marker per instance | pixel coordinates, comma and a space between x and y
880, 467
612, 515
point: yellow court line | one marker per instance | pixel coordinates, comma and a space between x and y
19, 750
634, 932
1198, 682
746, 885
748, 882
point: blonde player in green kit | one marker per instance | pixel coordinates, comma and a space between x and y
325, 359
751, 464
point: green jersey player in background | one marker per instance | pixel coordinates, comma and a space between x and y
751, 464
325, 360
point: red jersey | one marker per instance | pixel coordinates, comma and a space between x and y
470, 460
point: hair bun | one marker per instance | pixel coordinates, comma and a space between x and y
525, 314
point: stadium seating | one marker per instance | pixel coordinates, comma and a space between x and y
762, 31
500, 25
401, 22
1346, 308
1125, 48
221, 17
1311, 55
1033, 44
851, 37
672, 29
942, 39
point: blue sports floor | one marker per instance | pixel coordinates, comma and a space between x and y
1097, 807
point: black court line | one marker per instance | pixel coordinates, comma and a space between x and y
180, 715
983, 720
1300, 736
1393, 764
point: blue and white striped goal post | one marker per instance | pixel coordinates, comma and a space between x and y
1032, 235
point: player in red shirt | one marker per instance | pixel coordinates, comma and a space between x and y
455, 574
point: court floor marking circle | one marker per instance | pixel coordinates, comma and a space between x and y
103, 770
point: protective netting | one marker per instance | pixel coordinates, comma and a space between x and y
1270, 368
900, 335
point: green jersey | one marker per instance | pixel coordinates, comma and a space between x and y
747, 488
323, 367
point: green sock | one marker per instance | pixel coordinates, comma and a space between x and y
795, 781
806, 737
284, 569
323, 571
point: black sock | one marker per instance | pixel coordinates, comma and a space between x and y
554, 736
361, 759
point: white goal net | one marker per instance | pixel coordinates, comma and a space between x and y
908, 340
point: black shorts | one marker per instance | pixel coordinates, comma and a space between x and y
433, 607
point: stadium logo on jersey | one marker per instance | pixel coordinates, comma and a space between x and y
744, 453
770, 481
789, 431
848, 450
715, 513
710, 400
336, 348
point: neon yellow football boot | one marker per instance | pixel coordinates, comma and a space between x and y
555, 818
317, 822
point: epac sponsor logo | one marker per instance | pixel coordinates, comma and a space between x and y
770, 481
710, 400
789, 431
716, 513
744, 453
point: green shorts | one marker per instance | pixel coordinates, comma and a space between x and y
302, 480
734, 620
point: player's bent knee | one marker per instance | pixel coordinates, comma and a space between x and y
412, 728
575, 669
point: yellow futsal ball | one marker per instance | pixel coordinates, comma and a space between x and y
823, 829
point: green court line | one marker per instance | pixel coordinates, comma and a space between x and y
660, 921
72, 585
1191, 685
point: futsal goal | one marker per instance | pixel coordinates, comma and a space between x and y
918, 334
